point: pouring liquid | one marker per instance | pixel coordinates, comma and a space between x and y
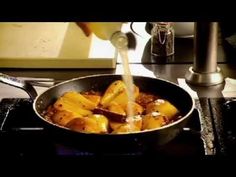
120, 41
128, 80
111, 31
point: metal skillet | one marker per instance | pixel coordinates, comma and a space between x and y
109, 142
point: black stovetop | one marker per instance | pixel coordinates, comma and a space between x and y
23, 134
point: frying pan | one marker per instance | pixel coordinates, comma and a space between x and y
109, 142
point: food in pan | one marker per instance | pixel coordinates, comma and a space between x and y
107, 112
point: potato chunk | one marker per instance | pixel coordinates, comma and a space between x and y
122, 97
153, 120
116, 92
95, 123
63, 117
63, 104
79, 99
135, 108
116, 108
164, 107
112, 91
126, 128
132, 124
94, 98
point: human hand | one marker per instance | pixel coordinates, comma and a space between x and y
84, 27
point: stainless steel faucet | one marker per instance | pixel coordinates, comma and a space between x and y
205, 71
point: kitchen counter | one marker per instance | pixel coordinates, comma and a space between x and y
170, 72
141, 63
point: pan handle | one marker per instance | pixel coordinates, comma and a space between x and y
13, 81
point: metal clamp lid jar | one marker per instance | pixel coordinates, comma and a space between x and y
162, 41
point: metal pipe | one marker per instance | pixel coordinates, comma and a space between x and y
205, 71
205, 47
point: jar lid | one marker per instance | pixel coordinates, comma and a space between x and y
163, 24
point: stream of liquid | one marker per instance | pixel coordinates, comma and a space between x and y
128, 80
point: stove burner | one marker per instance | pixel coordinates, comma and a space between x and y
23, 134
223, 112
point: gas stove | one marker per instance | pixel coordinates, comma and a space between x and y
23, 134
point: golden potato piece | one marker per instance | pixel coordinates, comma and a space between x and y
117, 92
114, 125
136, 121
80, 100
94, 98
164, 107
122, 97
80, 125
136, 109
116, 108
126, 128
114, 89
63, 117
153, 120
63, 104
93, 124
102, 122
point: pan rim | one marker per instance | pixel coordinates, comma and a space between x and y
187, 115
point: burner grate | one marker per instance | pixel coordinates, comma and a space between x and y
25, 134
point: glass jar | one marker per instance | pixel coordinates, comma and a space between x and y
162, 40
